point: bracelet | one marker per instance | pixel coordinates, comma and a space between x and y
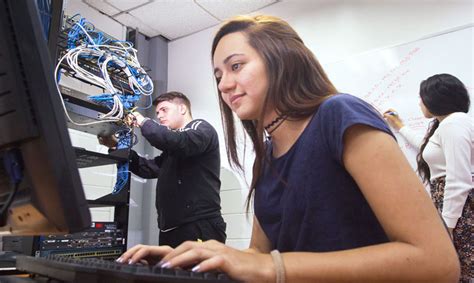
279, 266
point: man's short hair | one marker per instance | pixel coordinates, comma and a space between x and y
172, 95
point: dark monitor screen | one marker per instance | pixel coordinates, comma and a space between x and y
40, 188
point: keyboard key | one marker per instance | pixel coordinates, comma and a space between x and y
197, 274
181, 272
210, 275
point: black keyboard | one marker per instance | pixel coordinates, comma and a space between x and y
91, 270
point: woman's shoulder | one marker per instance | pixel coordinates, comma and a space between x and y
458, 118
341, 99
458, 123
345, 104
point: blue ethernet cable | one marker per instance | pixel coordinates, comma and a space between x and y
124, 141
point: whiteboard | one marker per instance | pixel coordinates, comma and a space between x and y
391, 77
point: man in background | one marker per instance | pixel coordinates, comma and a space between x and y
188, 186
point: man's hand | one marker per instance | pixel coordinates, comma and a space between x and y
129, 120
135, 119
109, 141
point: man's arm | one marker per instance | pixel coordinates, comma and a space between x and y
145, 168
192, 140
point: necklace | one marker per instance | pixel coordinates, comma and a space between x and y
270, 128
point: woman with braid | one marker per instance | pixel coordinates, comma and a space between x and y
446, 158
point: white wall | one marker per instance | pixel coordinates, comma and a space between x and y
334, 30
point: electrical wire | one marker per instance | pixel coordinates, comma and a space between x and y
86, 44
125, 140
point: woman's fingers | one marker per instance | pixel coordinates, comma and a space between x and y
390, 110
149, 253
129, 253
393, 119
390, 113
191, 253
216, 262
180, 249
143, 253
200, 256
203, 257
189, 258
184, 247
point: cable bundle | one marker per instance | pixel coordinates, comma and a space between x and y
124, 141
85, 45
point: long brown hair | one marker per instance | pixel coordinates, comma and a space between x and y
442, 94
297, 82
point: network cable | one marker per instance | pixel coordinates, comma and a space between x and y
85, 43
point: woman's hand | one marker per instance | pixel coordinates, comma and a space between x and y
151, 254
393, 119
213, 255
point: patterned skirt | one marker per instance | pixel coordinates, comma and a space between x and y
463, 233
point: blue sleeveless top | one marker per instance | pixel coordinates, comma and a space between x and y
307, 201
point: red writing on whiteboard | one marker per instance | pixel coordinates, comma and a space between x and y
384, 88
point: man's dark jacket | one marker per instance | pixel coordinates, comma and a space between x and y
187, 170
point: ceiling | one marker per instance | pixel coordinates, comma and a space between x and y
173, 19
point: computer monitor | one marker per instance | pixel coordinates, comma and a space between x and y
40, 188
